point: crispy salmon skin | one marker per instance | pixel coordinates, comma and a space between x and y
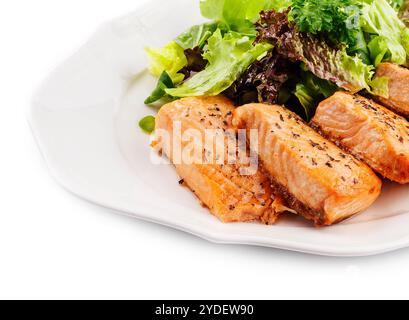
230, 196
315, 177
367, 130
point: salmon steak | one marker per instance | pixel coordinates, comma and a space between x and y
314, 177
229, 193
398, 78
367, 130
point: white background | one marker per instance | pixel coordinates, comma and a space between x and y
53, 245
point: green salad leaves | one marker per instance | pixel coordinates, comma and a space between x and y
227, 57
171, 58
226, 45
370, 29
387, 34
337, 19
311, 90
320, 58
404, 12
239, 15
196, 36
164, 82
396, 4
295, 52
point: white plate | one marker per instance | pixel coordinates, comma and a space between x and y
85, 116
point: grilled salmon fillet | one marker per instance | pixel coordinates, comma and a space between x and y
230, 195
367, 130
315, 178
398, 76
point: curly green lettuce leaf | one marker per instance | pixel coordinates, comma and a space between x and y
307, 99
212, 9
256, 6
386, 31
353, 74
318, 86
335, 65
311, 90
196, 36
380, 87
171, 58
379, 50
405, 40
227, 57
239, 15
